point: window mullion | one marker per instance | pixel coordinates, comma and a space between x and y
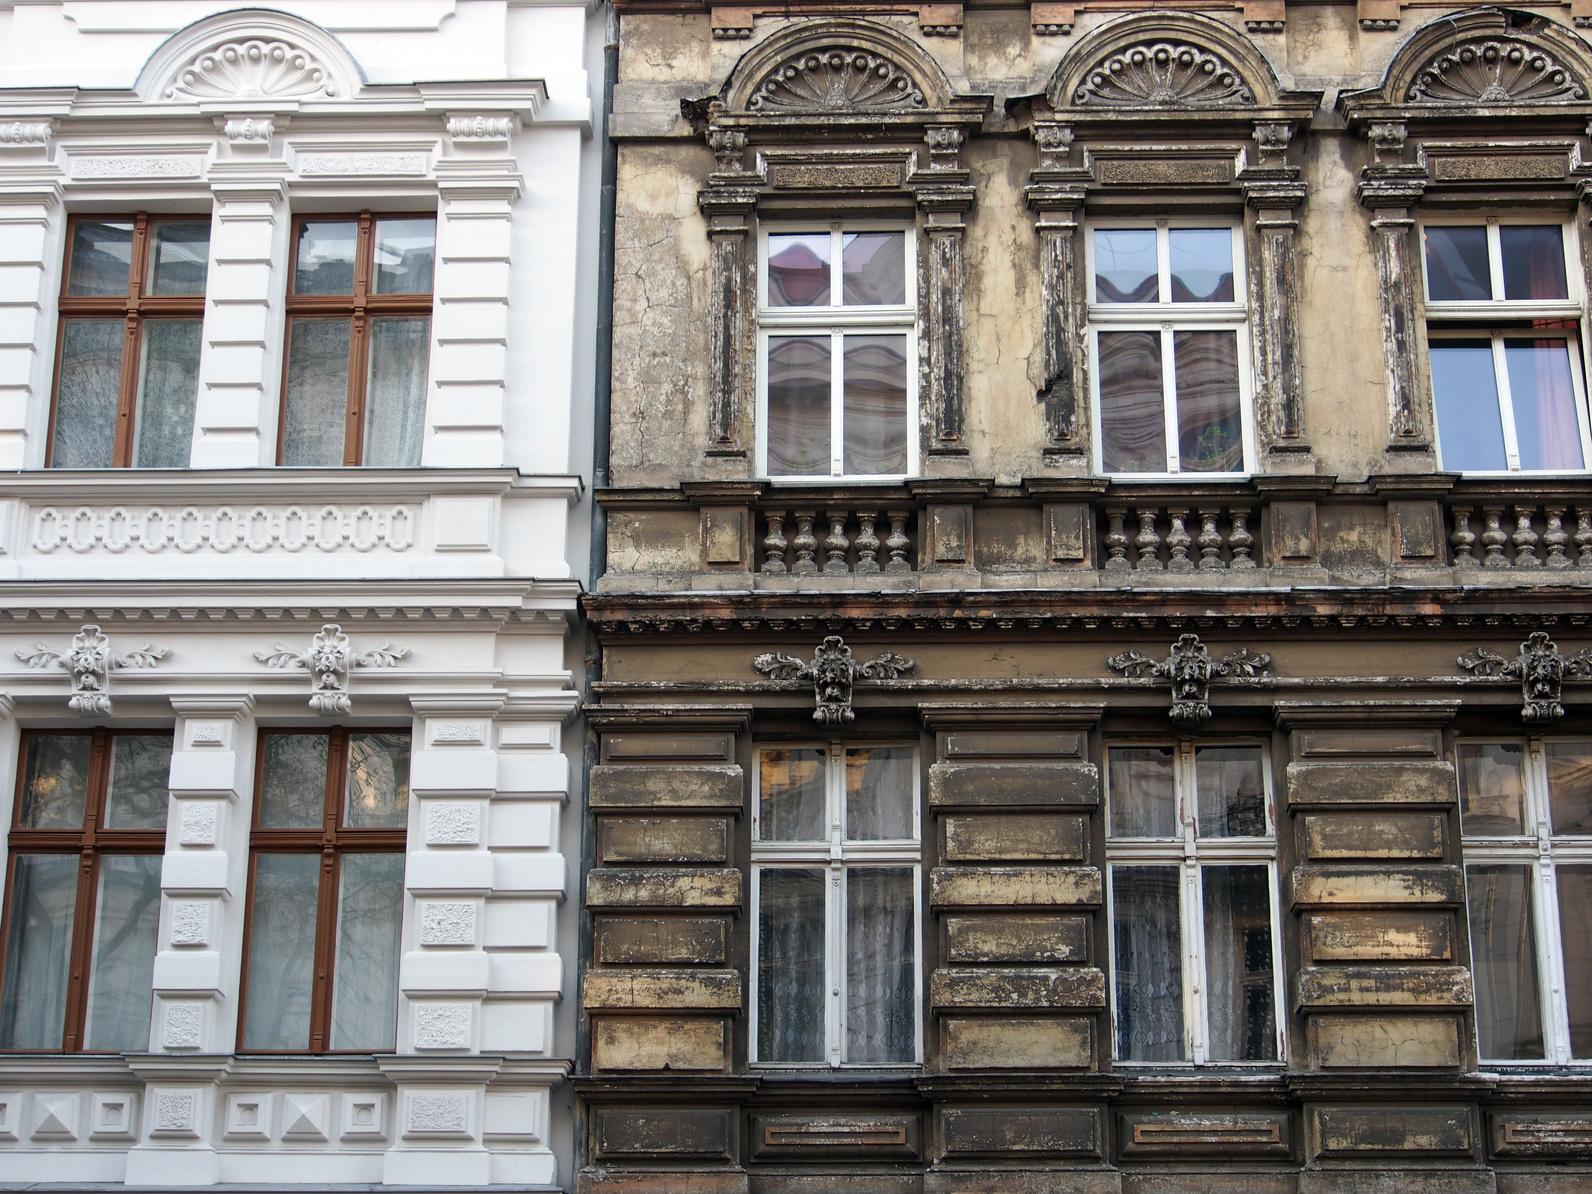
1506, 403
1495, 260
835, 964
837, 402
1550, 961
1191, 906
1174, 462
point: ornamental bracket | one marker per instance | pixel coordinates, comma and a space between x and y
329, 660
1191, 669
1541, 670
833, 672
91, 661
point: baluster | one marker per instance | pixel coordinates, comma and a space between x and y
897, 542
1493, 538
1178, 540
1525, 539
1148, 541
1210, 540
1583, 535
1463, 540
1557, 539
1240, 540
774, 543
805, 543
1116, 541
867, 542
837, 545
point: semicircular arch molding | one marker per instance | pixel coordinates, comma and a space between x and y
1163, 62
836, 67
1489, 57
250, 56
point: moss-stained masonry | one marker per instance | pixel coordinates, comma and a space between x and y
1342, 577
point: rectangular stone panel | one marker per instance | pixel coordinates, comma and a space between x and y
625, 888
1389, 1130
1364, 886
1058, 886
1202, 1134
1411, 742
663, 839
674, 748
1415, 836
1013, 785
609, 989
1370, 783
1068, 533
1539, 1134
1016, 837
991, 1043
645, 786
1020, 1133
1010, 987
660, 941
1390, 1042
657, 1043
883, 1137
997, 744
622, 1134
984, 939
1322, 987
1380, 937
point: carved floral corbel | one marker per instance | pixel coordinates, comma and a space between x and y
833, 672
1541, 670
329, 660
91, 661
1191, 669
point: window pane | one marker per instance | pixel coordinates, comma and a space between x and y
1210, 427
1546, 429
1202, 265
1142, 803
1132, 411
1491, 788
1570, 786
378, 781
102, 258
168, 388
179, 259
881, 997
293, 794
879, 794
406, 253
325, 261
790, 965
370, 904
791, 795
395, 394
55, 783
1232, 791
876, 404
38, 950
1238, 971
1470, 430
873, 267
87, 393
1456, 264
1149, 963
282, 951
121, 978
317, 392
1533, 262
1503, 953
1125, 266
798, 270
798, 406
137, 791
1575, 934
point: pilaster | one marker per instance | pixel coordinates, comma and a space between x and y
31, 224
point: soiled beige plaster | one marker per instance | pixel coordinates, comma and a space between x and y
1323, 40
998, 44
655, 48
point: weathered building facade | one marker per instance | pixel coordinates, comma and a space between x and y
1091, 641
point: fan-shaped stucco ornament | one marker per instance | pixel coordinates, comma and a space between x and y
1163, 74
251, 70
836, 79
1494, 71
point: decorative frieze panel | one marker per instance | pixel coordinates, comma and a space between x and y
87, 530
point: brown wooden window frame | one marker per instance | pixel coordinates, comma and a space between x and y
361, 307
91, 841
135, 307
331, 841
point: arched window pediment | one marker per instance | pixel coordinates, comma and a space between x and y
830, 68
250, 56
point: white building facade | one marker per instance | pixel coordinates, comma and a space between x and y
297, 316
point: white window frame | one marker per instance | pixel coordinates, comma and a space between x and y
1169, 317
836, 854
837, 321
1541, 850
1499, 311
1191, 852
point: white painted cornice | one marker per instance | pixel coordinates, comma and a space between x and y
239, 487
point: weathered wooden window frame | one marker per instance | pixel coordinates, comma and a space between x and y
1191, 853
836, 854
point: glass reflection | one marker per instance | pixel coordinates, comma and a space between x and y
791, 800
1491, 788
1232, 791
293, 791
1575, 935
875, 405
1210, 428
1456, 264
1238, 963
1149, 963
281, 952
790, 965
406, 253
799, 269
378, 781
1570, 786
1542, 397
1132, 403
1470, 430
1202, 265
365, 984
137, 793
55, 781
325, 260
122, 971
1125, 266
1508, 1010
102, 258
799, 379
881, 995
179, 258
1142, 800
1533, 261
873, 268
38, 950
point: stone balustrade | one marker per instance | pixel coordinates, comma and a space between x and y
1503, 534
833, 541
1152, 537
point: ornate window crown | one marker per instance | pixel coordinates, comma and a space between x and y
252, 69
1171, 74
1494, 71
836, 79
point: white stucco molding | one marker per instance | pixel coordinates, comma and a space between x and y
246, 57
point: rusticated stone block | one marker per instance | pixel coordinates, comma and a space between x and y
641, 786
884, 1137
1366, 886
1010, 887
1021, 837
663, 839
1367, 835
999, 1179
1070, 987
1374, 1042
627, 1043
1535, 1134
981, 939
1371, 783
1322, 987
625, 888
1015, 744
1408, 742
1390, 1130
1020, 1133
1057, 1043
621, 1134
1380, 937
609, 989
1202, 1134
1013, 785
660, 941
675, 748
